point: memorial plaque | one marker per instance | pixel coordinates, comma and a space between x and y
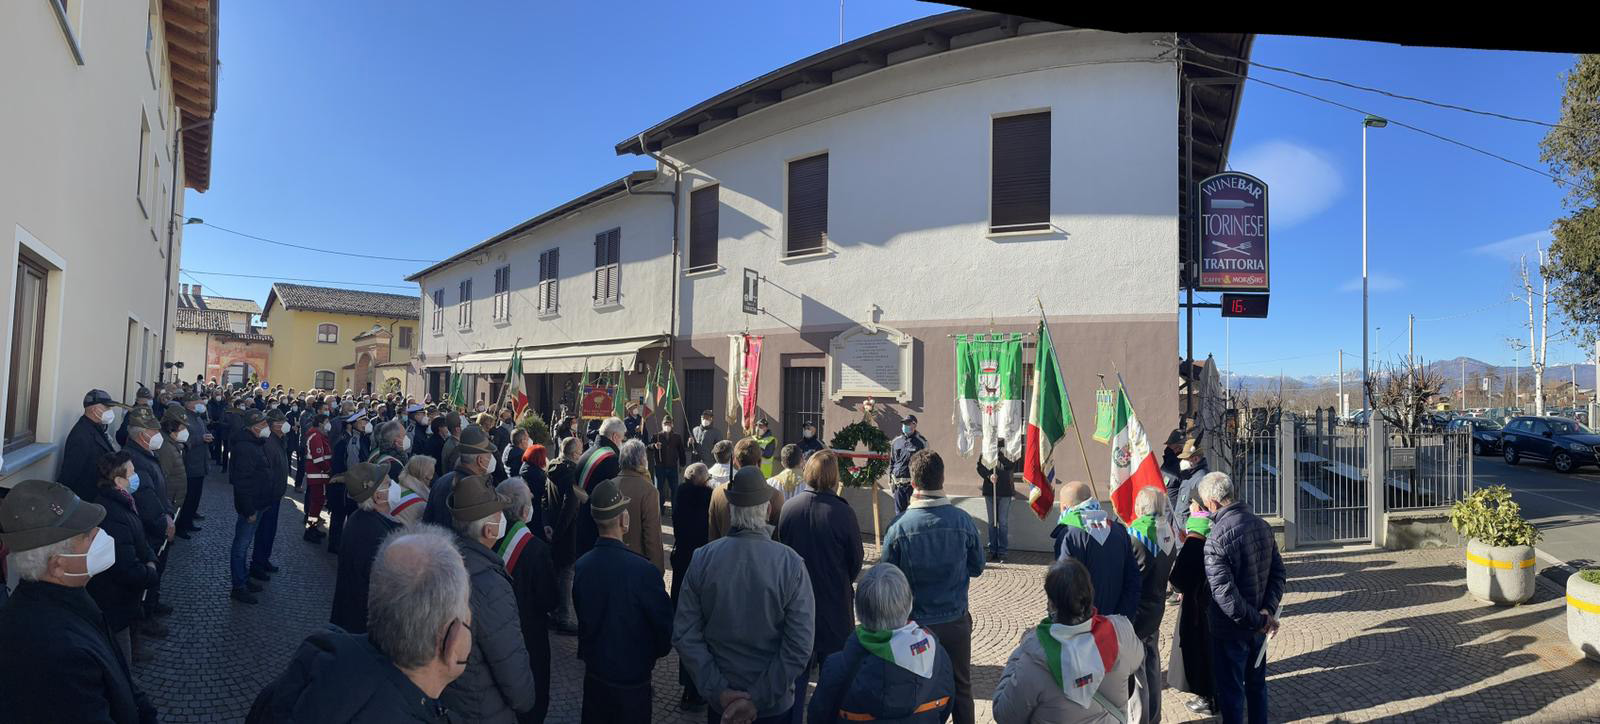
1402, 458
870, 361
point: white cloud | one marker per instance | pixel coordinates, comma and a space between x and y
1375, 283
1303, 181
1516, 246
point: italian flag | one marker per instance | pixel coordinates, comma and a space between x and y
516, 395
1133, 467
1049, 416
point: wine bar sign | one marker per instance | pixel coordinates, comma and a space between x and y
1233, 233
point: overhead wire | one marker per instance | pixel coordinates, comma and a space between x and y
294, 279
312, 248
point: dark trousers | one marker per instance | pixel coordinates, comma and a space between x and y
608, 703
538, 643
956, 638
244, 532
1239, 686
152, 595
902, 497
338, 510
266, 533
666, 483
191, 502
218, 440
715, 717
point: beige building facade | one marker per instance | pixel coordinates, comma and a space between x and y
314, 331
107, 120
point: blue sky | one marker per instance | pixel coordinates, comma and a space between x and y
395, 130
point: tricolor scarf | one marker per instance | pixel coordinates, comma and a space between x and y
909, 647
1079, 655
407, 500
1199, 524
600, 455
512, 543
1156, 538
1089, 517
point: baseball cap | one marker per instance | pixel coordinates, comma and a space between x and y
38, 512
911, 419
99, 397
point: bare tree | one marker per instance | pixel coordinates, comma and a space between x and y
1403, 396
1538, 328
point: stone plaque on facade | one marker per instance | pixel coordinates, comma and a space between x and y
870, 361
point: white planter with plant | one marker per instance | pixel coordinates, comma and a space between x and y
1500, 555
1583, 611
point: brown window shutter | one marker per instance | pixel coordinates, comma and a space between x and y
1020, 173
703, 212
808, 205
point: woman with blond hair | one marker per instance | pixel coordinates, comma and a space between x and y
414, 482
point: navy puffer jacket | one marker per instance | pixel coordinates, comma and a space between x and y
1244, 569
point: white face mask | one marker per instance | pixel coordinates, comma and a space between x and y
490, 470
327, 427
283, 427
182, 436
405, 443
102, 553
106, 416
666, 429
499, 526
263, 432
1185, 465
200, 408
155, 442
807, 433
394, 493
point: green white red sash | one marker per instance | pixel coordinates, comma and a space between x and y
512, 543
407, 500
600, 455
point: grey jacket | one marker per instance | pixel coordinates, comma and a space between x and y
745, 620
498, 682
1028, 692
198, 454
701, 440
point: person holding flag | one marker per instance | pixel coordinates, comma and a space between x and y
1133, 466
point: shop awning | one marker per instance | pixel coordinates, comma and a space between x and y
562, 359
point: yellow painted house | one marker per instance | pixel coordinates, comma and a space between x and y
314, 331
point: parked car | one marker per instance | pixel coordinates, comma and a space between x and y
1563, 443
1485, 433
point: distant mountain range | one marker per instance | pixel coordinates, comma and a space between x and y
1452, 370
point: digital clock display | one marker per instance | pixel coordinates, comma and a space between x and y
1244, 305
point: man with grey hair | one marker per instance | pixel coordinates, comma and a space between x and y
418, 640
1155, 548
890, 667
624, 617
598, 465
498, 683
746, 639
1246, 576
533, 577
60, 663
644, 506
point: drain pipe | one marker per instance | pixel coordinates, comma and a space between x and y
676, 193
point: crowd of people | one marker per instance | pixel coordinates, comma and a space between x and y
466, 538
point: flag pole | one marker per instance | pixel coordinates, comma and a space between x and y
1076, 428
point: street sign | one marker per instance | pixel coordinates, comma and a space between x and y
752, 291
1402, 458
1244, 305
1233, 233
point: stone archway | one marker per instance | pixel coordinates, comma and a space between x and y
363, 377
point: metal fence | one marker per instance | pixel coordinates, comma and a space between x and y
1426, 470
1258, 470
1330, 471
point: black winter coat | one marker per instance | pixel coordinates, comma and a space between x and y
1244, 569
1189, 668
341, 678
534, 580
498, 683
61, 664
364, 531
438, 510
119, 589
691, 528
154, 505
277, 469
561, 513
1005, 468
599, 464
822, 528
197, 455
859, 682
624, 617
1154, 571
250, 472
81, 455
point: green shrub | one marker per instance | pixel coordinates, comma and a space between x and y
538, 430
1591, 575
1491, 516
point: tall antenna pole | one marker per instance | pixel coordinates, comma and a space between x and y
841, 22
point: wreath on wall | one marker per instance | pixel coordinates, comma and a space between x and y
855, 473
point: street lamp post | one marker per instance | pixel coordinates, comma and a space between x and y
1366, 393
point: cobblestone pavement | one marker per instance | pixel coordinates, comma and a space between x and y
1367, 636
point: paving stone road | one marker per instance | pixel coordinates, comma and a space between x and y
1367, 636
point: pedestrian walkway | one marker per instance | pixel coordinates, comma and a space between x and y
1367, 636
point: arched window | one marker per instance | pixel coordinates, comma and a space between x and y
328, 333
324, 379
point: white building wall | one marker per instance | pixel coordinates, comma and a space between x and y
70, 137
645, 279
909, 190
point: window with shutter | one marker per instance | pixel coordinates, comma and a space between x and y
502, 293
464, 308
703, 212
549, 274
807, 217
438, 311
607, 266
1019, 191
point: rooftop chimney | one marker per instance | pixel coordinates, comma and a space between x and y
195, 290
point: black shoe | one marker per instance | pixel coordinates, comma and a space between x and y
1200, 705
268, 567
311, 536
564, 630
184, 534
162, 609
260, 575
193, 529
151, 628
333, 549
198, 516
142, 654
990, 556
253, 586
691, 701
999, 559
242, 596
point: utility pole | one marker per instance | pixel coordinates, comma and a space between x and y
1463, 384
1342, 407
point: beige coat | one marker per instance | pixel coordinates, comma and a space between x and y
1028, 693
644, 516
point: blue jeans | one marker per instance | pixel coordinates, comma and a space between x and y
666, 484
266, 532
999, 525
1237, 684
244, 532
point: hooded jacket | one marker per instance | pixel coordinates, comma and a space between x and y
1029, 693
341, 678
857, 681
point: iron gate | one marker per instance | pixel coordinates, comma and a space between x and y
1331, 491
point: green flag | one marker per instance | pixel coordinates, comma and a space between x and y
989, 396
1105, 415
458, 397
619, 400
672, 388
